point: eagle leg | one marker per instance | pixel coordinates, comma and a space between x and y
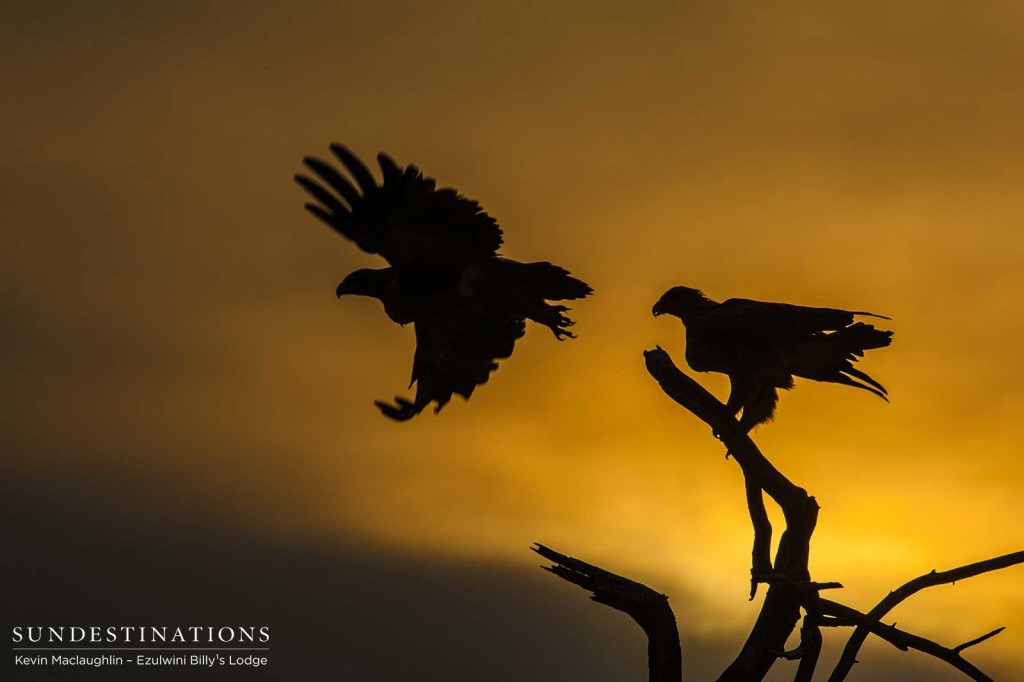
739, 389
760, 409
741, 392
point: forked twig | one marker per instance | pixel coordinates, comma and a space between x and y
875, 615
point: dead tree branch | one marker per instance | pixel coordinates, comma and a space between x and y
840, 615
810, 647
648, 608
790, 588
894, 598
761, 556
781, 609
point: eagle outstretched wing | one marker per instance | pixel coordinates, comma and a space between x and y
776, 323
456, 351
406, 219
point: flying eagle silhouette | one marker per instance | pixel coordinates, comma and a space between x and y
468, 304
762, 346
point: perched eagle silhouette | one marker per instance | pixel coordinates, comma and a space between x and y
762, 346
468, 304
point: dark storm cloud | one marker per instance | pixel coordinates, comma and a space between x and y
335, 611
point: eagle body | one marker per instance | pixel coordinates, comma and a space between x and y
761, 346
468, 304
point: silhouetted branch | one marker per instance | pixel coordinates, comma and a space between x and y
781, 609
759, 473
978, 640
761, 560
810, 647
845, 616
806, 588
648, 608
790, 588
708, 409
875, 615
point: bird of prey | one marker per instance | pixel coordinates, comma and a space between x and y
762, 346
468, 304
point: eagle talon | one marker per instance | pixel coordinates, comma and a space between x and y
401, 411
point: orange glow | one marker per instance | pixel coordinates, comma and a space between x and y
173, 291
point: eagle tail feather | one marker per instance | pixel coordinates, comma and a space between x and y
830, 357
555, 283
875, 315
839, 378
863, 376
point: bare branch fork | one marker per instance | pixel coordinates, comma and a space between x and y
871, 622
790, 589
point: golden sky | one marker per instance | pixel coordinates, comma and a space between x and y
177, 342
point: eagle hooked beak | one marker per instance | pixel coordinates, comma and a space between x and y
657, 309
342, 290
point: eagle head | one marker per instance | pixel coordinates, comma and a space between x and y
367, 282
681, 302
